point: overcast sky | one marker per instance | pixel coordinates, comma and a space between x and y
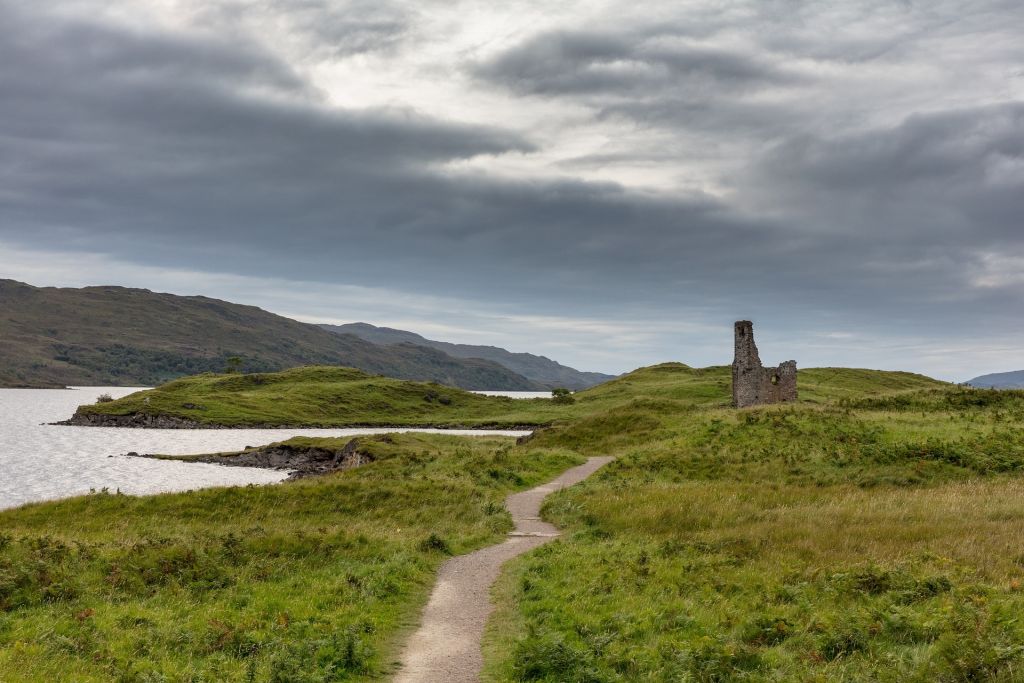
609, 183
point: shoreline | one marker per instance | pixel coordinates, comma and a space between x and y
147, 421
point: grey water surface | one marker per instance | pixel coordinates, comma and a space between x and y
40, 461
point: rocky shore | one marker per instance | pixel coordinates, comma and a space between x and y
300, 461
151, 421
138, 420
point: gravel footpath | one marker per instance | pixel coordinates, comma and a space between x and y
447, 646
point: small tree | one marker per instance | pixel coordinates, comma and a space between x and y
233, 364
562, 396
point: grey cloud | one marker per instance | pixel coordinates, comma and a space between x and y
37, 49
358, 28
623, 64
953, 176
327, 29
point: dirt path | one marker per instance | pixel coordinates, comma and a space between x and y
446, 647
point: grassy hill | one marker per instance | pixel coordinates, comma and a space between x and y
869, 532
324, 396
119, 336
869, 537
542, 370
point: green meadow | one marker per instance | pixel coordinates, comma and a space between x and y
874, 531
878, 538
310, 580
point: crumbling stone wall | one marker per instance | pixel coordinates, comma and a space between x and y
754, 384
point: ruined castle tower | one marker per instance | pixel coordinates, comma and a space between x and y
753, 384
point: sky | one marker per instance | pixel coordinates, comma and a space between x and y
608, 183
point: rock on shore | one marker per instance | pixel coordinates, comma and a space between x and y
301, 461
139, 420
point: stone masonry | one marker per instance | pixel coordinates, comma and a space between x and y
753, 384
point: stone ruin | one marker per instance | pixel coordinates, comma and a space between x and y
754, 384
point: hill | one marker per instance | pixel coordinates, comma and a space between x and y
868, 532
121, 336
310, 396
343, 397
999, 380
539, 369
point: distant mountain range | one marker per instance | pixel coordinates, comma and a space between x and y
120, 336
544, 371
999, 380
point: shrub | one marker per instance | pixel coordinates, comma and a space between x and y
562, 396
104, 398
433, 542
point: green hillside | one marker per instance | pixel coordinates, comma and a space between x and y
322, 396
869, 532
866, 536
132, 337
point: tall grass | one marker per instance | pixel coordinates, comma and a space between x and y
865, 539
838, 539
305, 581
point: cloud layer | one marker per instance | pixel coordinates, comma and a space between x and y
834, 173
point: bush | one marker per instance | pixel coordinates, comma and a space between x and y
433, 542
562, 396
104, 398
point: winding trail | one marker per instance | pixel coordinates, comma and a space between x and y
446, 647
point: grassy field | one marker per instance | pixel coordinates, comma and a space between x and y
304, 581
878, 538
871, 532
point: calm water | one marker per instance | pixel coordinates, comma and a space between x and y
40, 462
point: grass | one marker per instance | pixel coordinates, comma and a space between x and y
325, 396
870, 538
304, 581
342, 397
870, 532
